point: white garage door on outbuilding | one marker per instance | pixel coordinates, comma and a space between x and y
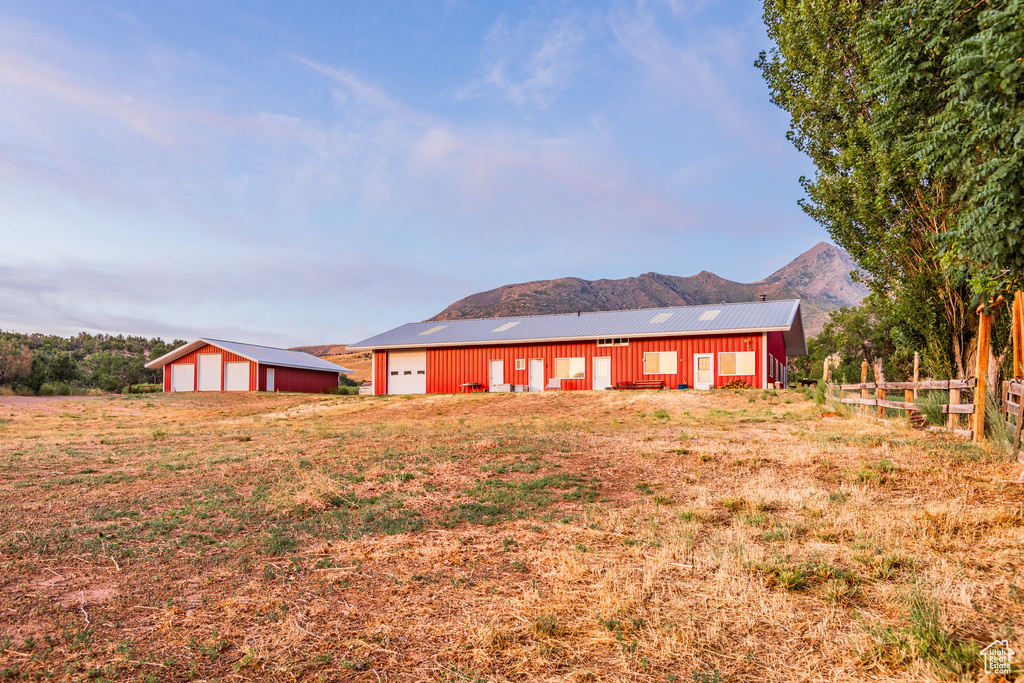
407, 372
209, 371
183, 377
236, 376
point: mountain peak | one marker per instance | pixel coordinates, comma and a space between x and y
820, 276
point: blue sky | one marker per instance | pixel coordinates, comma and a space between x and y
316, 172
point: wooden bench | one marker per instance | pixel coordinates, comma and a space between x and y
623, 384
649, 384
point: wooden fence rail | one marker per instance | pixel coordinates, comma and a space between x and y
953, 409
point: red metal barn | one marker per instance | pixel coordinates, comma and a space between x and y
693, 346
217, 365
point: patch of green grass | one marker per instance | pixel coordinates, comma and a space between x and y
923, 638
497, 500
883, 465
661, 414
278, 542
529, 466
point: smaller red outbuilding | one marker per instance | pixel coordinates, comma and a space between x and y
218, 365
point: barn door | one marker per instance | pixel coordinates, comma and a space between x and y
407, 372
270, 379
183, 377
209, 367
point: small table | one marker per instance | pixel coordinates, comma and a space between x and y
472, 386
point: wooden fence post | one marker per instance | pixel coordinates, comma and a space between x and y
984, 334
879, 391
824, 372
1018, 335
864, 392
953, 421
917, 368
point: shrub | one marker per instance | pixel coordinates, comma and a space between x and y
55, 389
930, 405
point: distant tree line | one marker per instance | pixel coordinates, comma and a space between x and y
870, 333
48, 364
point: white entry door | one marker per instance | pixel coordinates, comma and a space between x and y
407, 372
536, 374
602, 372
209, 367
270, 379
183, 377
703, 370
496, 374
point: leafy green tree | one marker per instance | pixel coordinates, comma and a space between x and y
63, 368
865, 333
872, 90
967, 58
15, 360
36, 375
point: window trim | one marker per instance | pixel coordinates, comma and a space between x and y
520, 363
737, 374
583, 367
675, 363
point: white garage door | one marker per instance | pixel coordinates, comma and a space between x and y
209, 371
407, 372
183, 377
236, 376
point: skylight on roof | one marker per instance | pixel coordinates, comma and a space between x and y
710, 315
660, 318
506, 326
432, 330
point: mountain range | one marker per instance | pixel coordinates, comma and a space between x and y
821, 277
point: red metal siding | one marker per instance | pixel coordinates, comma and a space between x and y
299, 380
380, 374
190, 358
777, 348
448, 368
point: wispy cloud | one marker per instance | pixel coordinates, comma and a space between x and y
530, 63
710, 69
63, 91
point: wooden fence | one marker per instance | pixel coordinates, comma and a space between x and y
1014, 389
954, 408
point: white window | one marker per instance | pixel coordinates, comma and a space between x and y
520, 363
570, 368
614, 341
660, 363
771, 365
741, 363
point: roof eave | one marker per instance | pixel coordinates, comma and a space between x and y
500, 342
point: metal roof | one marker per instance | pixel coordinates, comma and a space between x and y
265, 355
756, 316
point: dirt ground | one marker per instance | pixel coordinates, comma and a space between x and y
578, 536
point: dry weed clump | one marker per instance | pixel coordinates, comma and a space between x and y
648, 536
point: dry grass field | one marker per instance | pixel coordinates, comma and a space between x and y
638, 536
